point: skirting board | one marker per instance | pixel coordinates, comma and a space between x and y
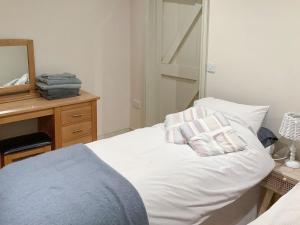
114, 133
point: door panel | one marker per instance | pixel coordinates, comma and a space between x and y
178, 47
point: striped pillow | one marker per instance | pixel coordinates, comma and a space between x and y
212, 136
190, 114
174, 121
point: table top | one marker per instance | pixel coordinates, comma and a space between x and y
286, 171
39, 103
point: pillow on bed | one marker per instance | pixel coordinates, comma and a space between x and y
212, 136
253, 115
174, 121
174, 136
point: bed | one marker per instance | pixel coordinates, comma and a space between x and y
286, 211
175, 185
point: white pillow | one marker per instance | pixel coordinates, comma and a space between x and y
253, 115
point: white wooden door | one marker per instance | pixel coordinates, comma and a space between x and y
174, 82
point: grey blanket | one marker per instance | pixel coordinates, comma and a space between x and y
68, 187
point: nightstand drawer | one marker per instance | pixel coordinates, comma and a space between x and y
76, 113
74, 132
278, 183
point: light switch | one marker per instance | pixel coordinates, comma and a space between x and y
211, 68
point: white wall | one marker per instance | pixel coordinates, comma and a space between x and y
90, 38
255, 45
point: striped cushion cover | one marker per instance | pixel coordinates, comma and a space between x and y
212, 135
174, 121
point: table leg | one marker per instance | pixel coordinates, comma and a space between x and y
266, 201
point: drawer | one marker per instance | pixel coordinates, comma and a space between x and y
17, 156
278, 183
76, 113
76, 131
82, 140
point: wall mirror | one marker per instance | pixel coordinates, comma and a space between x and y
17, 70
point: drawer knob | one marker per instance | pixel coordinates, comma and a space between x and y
77, 131
284, 179
77, 115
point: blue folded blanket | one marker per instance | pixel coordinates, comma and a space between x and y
58, 76
57, 79
44, 86
71, 186
59, 93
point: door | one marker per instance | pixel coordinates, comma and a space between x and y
174, 56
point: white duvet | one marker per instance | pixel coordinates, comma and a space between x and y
177, 186
284, 212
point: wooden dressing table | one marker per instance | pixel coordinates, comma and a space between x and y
67, 121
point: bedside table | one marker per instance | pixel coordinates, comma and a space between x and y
280, 181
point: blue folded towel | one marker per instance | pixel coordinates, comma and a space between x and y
56, 79
59, 93
43, 86
58, 76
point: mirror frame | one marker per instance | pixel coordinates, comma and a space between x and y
30, 87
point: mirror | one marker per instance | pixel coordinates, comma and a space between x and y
17, 72
13, 66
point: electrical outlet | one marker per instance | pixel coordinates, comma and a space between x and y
136, 104
211, 68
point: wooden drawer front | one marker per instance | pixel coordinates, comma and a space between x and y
82, 140
75, 114
74, 132
17, 156
278, 183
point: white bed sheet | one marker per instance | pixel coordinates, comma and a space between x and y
177, 186
284, 212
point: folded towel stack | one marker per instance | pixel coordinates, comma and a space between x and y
57, 86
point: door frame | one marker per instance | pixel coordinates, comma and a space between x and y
204, 48
150, 54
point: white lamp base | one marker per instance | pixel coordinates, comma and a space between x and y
292, 164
